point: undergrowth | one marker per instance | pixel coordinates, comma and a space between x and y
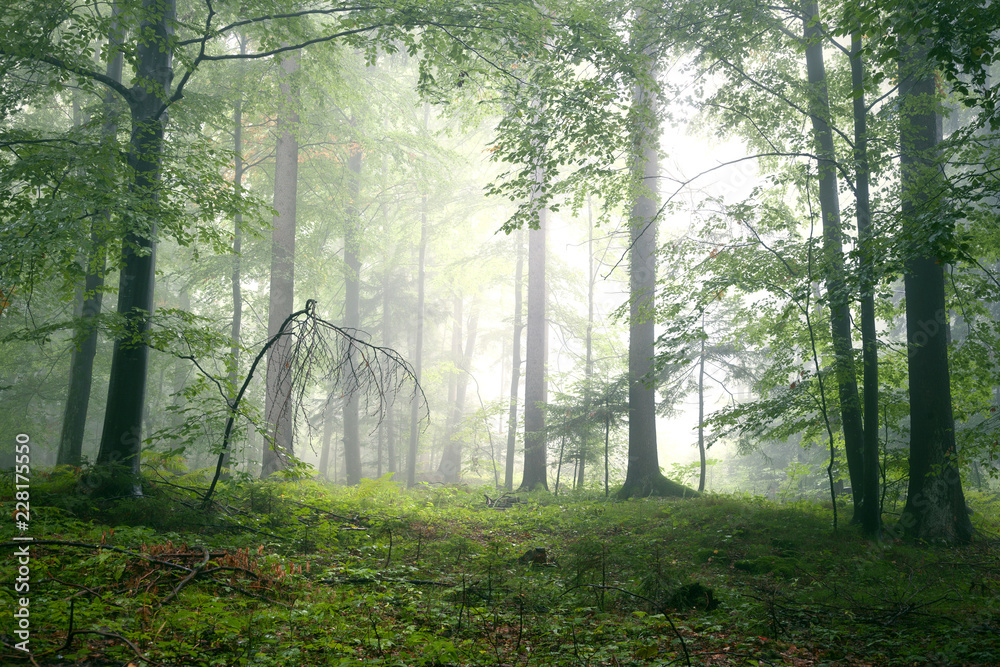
306, 574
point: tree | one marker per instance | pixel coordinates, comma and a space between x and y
837, 291
451, 458
643, 476
935, 505
279, 408
121, 439
515, 367
92, 295
535, 473
411, 458
352, 305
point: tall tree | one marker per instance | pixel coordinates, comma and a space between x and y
515, 367
236, 276
871, 513
643, 476
92, 294
935, 504
279, 409
837, 293
121, 438
536, 355
352, 305
418, 353
451, 458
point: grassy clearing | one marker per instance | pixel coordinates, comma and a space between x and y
303, 574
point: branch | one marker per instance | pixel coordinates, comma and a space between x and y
110, 82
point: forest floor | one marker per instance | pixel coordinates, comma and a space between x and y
301, 574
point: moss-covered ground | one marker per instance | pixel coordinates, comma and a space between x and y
303, 574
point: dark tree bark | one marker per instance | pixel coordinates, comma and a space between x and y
81, 371
278, 409
935, 503
352, 310
515, 368
837, 295
536, 352
871, 515
121, 438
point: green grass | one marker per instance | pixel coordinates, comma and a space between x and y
303, 574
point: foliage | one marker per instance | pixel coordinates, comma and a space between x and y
305, 573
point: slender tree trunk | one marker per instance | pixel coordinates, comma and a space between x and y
701, 410
352, 311
559, 464
451, 459
935, 503
278, 409
236, 277
388, 426
121, 438
418, 354
839, 301
643, 476
324, 454
588, 367
536, 351
515, 367
82, 360
871, 516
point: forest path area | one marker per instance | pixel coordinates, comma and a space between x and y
305, 574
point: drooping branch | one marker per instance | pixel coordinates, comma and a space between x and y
324, 354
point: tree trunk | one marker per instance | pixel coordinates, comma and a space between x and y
515, 367
121, 438
935, 504
418, 355
839, 302
388, 426
701, 410
643, 476
588, 367
324, 454
279, 410
536, 351
81, 371
871, 515
352, 310
236, 278
451, 459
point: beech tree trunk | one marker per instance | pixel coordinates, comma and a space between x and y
643, 476
81, 370
935, 503
278, 409
588, 366
236, 276
352, 311
871, 515
839, 301
451, 458
536, 351
418, 353
515, 367
121, 438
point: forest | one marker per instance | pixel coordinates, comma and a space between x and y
499, 332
